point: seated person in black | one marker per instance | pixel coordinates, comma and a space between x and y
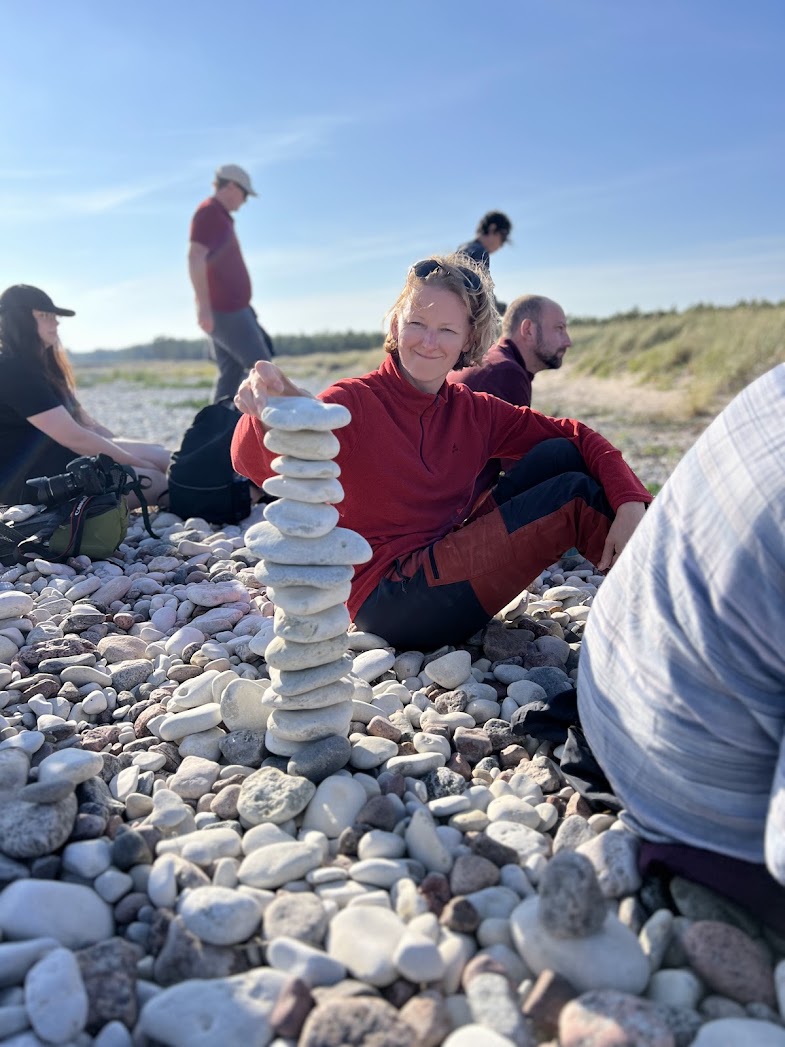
42, 424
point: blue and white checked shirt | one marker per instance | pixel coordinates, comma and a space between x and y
681, 689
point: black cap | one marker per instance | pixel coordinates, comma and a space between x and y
24, 296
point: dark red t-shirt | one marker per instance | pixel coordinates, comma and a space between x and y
227, 277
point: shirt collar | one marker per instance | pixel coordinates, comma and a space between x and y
510, 347
402, 389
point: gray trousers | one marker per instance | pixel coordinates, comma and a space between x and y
236, 343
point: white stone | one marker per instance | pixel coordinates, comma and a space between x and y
16, 958
473, 1035
185, 636
610, 959
94, 703
335, 805
87, 858
177, 726
369, 665
14, 604
278, 863
308, 628
300, 960
194, 777
302, 443
72, 765
81, 674
297, 681
301, 519
205, 1012
340, 546
289, 654
302, 469
205, 744
317, 698
418, 959
55, 997
739, 1032
308, 599
302, 574
69, 912
193, 693
241, 705
317, 492
369, 752
450, 670
8, 649
290, 725
424, 843
364, 939
220, 915
292, 413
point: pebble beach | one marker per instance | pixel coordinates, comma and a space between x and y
224, 818
166, 880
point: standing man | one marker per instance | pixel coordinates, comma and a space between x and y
222, 285
534, 338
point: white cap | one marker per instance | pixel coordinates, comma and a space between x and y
235, 173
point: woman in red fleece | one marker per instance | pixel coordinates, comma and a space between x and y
411, 455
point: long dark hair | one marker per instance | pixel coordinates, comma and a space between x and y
19, 339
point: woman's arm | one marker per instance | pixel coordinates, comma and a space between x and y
59, 426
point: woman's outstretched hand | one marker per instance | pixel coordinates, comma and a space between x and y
264, 380
628, 516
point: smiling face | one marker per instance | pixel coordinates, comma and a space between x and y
47, 324
432, 329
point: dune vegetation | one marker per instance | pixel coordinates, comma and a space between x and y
706, 354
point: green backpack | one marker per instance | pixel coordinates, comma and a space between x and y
92, 524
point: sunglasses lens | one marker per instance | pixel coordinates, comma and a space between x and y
423, 269
471, 280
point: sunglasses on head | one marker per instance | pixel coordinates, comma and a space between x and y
427, 266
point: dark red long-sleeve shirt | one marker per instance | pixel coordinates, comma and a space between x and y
409, 460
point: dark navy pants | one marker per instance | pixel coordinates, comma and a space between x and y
444, 593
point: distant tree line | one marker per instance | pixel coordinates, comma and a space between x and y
164, 348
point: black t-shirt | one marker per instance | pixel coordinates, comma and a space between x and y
475, 250
24, 450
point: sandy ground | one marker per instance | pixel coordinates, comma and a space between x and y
647, 425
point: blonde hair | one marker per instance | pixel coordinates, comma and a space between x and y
456, 272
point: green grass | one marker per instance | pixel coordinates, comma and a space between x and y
711, 353
706, 353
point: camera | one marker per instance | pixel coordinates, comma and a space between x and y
98, 474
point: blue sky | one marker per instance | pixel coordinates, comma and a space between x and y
638, 149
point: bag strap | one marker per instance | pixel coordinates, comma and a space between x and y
76, 521
137, 485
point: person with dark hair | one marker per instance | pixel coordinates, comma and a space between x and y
222, 284
681, 685
410, 458
493, 232
42, 424
534, 338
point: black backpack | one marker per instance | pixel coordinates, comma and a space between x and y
202, 481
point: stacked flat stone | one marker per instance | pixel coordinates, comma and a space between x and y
307, 566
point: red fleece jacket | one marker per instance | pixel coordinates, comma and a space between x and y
409, 460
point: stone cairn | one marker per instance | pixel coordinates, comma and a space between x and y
306, 565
